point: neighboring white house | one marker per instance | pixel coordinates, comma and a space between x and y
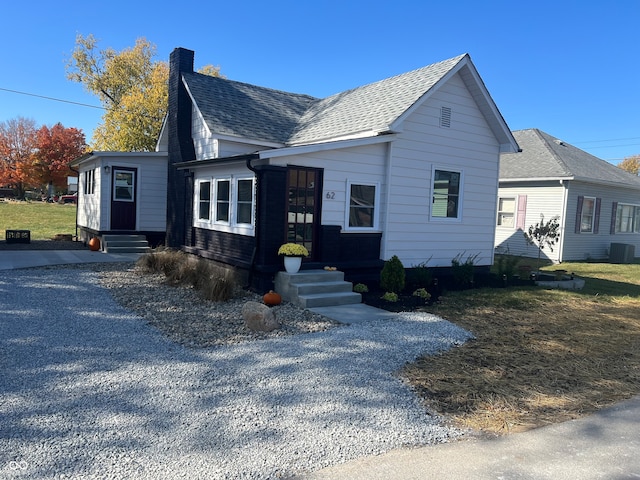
122, 193
597, 203
406, 166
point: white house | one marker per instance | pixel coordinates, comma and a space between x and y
597, 203
406, 166
122, 193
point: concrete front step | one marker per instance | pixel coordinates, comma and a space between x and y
125, 244
329, 300
316, 288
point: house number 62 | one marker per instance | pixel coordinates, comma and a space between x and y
330, 195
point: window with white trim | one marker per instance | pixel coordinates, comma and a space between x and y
223, 200
627, 218
587, 215
363, 200
244, 201
204, 200
446, 194
89, 182
225, 204
506, 211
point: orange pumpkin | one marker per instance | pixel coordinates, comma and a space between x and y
94, 244
272, 298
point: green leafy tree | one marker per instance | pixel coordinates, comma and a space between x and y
543, 234
631, 164
132, 88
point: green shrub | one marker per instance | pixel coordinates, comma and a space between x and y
392, 277
506, 265
419, 274
360, 288
463, 272
421, 293
390, 297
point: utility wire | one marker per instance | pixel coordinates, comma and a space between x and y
51, 98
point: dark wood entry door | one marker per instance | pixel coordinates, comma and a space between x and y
123, 198
304, 186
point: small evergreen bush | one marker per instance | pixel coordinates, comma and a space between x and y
392, 277
390, 297
360, 288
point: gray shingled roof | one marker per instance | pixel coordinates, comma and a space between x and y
546, 157
248, 111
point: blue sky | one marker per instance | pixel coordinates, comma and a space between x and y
569, 68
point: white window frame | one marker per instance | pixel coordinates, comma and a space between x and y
502, 213
438, 218
196, 207
236, 201
232, 225
634, 218
376, 207
89, 182
216, 182
583, 215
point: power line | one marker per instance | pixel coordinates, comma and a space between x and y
610, 140
51, 98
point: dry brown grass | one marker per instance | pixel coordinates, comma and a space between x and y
179, 268
539, 357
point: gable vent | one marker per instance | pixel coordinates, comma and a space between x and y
445, 117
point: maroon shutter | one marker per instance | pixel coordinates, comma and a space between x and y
596, 216
579, 213
614, 209
522, 212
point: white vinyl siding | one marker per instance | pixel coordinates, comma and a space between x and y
94, 210
546, 199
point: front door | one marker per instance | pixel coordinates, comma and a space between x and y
123, 198
303, 207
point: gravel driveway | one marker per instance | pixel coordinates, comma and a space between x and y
90, 390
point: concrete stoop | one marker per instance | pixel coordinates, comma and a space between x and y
125, 244
316, 288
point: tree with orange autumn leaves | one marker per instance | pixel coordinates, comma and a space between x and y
32, 157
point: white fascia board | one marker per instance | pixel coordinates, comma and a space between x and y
195, 104
319, 147
248, 141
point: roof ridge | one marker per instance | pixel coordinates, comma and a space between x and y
252, 85
543, 136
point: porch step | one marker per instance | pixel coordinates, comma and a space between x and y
125, 244
316, 288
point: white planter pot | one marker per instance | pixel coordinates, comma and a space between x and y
292, 264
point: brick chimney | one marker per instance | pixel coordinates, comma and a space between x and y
180, 147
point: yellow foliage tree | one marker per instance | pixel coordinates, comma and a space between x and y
132, 87
631, 164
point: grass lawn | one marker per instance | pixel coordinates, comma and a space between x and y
45, 220
540, 356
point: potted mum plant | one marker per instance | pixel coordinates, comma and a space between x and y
293, 253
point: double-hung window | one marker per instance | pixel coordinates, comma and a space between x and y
446, 194
363, 201
223, 200
244, 201
627, 218
204, 200
506, 211
587, 215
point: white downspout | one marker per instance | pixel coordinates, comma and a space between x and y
563, 229
385, 219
